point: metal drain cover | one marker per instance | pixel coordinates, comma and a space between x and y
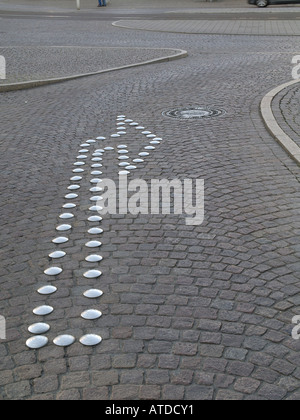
194, 112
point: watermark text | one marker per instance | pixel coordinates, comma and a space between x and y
155, 197
296, 330
2, 328
296, 68
2, 67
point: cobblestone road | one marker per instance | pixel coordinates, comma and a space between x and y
188, 312
40, 63
228, 27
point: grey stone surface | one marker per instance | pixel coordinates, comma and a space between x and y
184, 315
30, 63
227, 27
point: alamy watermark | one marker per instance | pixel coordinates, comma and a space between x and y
155, 197
296, 330
2, 68
296, 68
2, 328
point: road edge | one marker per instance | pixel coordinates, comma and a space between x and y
36, 83
272, 125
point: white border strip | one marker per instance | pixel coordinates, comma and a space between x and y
280, 136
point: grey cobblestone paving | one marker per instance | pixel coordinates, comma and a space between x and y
185, 316
228, 27
39, 63
286, 109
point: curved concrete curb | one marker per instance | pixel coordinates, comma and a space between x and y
280, 136
36, 83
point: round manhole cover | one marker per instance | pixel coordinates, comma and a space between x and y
194, 112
